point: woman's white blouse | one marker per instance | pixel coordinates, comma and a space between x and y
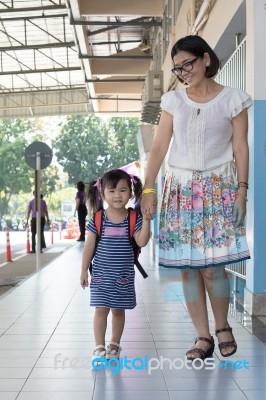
202, 132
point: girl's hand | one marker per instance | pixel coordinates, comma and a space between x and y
239, 211
84, 279
148, 205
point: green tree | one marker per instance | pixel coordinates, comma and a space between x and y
88, 146
15, 174
123, 132
82, 147
50, 180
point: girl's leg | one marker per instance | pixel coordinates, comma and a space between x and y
118, 323
100, 324
194, 292
218, 288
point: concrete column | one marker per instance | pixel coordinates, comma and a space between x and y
255, 293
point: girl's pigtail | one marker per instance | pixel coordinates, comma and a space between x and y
137, 188
94, 196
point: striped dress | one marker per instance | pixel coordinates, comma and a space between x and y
112, 282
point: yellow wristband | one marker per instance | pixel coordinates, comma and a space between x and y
148, 191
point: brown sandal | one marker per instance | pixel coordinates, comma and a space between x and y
202, 354
226, 345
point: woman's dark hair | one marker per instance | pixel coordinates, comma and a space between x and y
197, 46
81, 186
110, 180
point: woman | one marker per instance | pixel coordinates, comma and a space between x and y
204, 196
81, 209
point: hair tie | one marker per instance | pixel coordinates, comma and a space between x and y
98, 185
133, 179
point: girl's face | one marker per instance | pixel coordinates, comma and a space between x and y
119, 196
191, 69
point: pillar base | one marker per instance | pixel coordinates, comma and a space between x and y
254, 304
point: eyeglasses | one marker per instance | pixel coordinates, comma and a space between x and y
186, 67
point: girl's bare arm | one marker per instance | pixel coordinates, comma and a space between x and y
87, 258
143, 235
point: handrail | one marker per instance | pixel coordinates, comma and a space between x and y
233, 73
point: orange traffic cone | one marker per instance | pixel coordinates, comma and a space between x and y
70, 231
28, 240
8, 249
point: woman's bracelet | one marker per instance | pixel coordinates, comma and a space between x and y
148, 191
240, 194
243, 184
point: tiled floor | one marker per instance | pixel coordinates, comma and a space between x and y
47, 340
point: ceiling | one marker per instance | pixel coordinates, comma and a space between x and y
69, 56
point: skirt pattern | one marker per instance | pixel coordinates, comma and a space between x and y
196, 220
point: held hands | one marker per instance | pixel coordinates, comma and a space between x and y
84, 279
148, 205
239, 211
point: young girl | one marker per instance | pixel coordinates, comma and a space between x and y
112, 280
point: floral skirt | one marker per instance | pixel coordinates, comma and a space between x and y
197, 230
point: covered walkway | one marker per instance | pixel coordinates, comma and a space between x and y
47, 340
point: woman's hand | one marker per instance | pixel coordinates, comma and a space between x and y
148, 205
239, 211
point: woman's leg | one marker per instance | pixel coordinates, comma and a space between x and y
194, 292
218, 288
118, 323
100, 324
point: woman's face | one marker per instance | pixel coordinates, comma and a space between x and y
190, 68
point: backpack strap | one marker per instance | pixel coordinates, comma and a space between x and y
98, 221
132, 220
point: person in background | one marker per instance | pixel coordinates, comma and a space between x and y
31, 210
81, 209
205, 191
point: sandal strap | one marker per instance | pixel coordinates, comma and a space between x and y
224, 345
210, 341
117, 345
223, 330
201, 352
100, 346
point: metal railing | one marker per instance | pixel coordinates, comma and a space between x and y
237, 269
233, 73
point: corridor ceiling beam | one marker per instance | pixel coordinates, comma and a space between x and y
14, 10
25, 18
115, 57
116, 80
38, 46
118, 24
38, 71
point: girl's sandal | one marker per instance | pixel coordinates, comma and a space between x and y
99, 352
112, 352
227, 345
